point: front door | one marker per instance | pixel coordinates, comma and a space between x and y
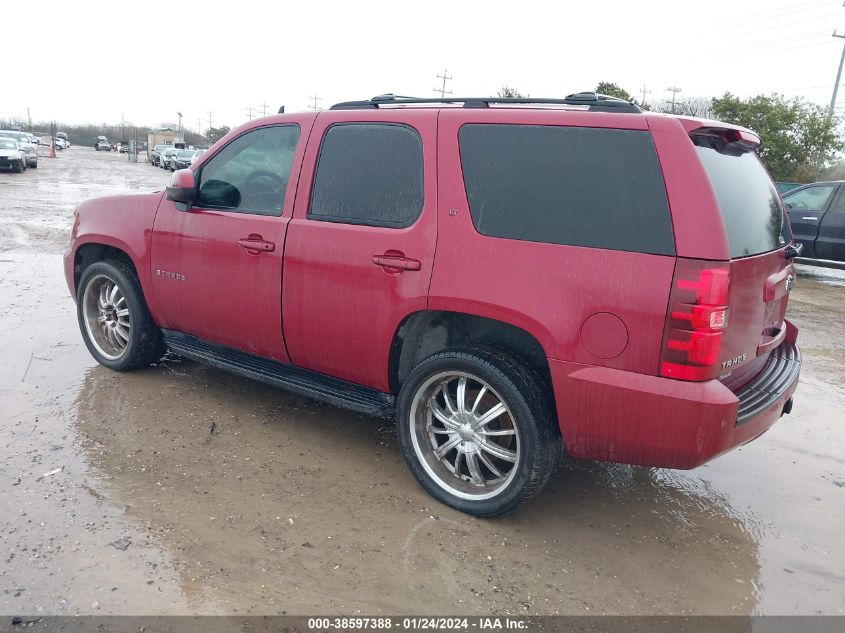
805, 208
217, 267
360, 248
830, 244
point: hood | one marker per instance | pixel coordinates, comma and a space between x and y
10, 153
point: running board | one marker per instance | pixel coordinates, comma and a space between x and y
304, 382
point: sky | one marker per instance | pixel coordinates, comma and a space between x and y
144, 61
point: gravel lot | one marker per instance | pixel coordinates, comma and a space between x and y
182, 489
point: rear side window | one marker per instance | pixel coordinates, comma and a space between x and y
592, 187
809, 199
750, 204
369, 174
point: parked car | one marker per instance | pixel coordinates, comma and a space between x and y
197, 155
60, 143
102, 144
123, 147
12, 157
155, 159
62, 137
606, 282
817, 215
182, 159
29, 148
166, 157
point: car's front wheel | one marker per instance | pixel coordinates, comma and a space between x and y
477, 430
116, 325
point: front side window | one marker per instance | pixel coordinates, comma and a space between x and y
809, 199
369, 173
593, 187
250, 174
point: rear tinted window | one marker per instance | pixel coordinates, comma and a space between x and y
750, 204
369, 174
591, 187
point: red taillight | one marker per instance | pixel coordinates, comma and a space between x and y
698, 315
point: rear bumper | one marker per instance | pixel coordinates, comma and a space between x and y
612, 415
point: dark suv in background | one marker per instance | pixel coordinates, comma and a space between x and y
508, 279
817, 215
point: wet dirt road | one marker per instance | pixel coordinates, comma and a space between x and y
182, 489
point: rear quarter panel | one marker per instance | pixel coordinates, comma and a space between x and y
547, 289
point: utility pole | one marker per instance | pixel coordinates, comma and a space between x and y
442, 89
122, 127
263, 107
249, 112
644, 92
179, 114
838, 77
29, 117
209, 119
315, 99
199, 126
674, 92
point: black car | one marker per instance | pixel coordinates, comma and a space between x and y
817, 215
183, 157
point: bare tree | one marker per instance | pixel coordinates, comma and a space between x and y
701, 107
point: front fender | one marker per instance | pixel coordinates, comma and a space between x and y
123, 222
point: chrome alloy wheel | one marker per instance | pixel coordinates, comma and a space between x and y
464, 435
106, 316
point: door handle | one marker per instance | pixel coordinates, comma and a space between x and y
810, 217
396, 261
257, 244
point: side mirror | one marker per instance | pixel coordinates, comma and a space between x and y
182, 187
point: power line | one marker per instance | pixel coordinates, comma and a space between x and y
785, 25
315, 99
442, 89
772, 51
781, 40
760, 16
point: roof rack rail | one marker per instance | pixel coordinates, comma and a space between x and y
593, 101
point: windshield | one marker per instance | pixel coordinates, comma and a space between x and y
8, 143
185, 153
750, 204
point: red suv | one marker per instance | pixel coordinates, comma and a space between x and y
507, 278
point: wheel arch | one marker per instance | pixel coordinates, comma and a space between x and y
96, 251
427, 332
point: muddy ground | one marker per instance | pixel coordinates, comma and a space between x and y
182, 489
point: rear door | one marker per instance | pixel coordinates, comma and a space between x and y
830, 243
761, 276
805, 207
360, 248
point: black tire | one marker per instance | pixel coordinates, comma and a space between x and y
529, 405
146, 344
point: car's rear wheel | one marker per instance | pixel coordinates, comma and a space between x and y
477, 430
116, 325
